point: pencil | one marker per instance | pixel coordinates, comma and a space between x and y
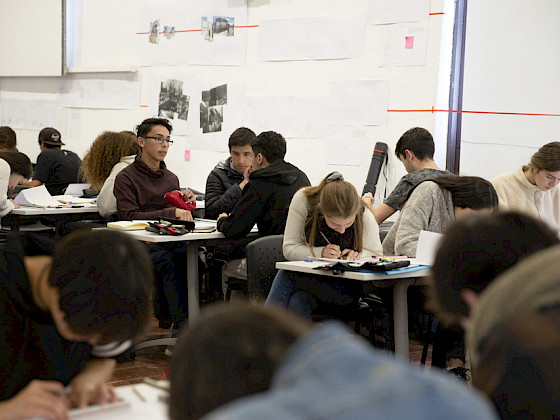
323, 235
135, 390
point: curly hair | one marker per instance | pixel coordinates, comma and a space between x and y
105, 152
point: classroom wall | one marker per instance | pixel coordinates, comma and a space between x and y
511, 66
107, 64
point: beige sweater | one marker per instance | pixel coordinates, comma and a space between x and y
296, 247
516, 193
428, 208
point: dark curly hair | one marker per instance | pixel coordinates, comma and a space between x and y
105, 152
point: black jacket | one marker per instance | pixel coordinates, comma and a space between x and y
222, 189
265, 201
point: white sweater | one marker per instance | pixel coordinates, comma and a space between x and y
516, 193
106, 201
296, 247
6, 205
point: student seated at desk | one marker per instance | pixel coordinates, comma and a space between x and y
532, 188
64, 315
15, 167
415, 149
328, 221
433, 206
139, 189
245, 362
266, 197
109, 154
56, 168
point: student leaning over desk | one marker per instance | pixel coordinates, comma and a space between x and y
15, 167
532, 188
63, 315
330, 221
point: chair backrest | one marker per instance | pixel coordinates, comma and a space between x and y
262, 255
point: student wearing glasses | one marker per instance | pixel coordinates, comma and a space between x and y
139, 190
531, 189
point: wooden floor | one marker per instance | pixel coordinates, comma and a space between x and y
153, 362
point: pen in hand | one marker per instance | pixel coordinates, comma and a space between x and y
342, 257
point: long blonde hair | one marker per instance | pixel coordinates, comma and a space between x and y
334, 197
105, 152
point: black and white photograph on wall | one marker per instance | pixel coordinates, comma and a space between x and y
206, 29
211, 109
173, 104
154, 32
223, 25
169, 31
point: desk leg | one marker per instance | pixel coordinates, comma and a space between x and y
192, 279
400, 317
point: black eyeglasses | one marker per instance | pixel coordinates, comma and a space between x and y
160, 140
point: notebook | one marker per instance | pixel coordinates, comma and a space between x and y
129, 225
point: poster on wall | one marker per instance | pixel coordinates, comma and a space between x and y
396, 11
293, 117
221, 108
318, 38
27, 114
222, 32
353, 145
173, 95
405, 44
158, 36
363, 102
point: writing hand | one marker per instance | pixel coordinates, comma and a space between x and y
331, 251
189, 196
350, 255
222, 215
90, 385
16, 206
37, 399
183, 214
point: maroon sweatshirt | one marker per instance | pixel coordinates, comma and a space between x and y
139, 192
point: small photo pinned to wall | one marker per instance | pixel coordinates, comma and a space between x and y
169, 31
223, 25
206, 29
154, 32
211, 109
173, 104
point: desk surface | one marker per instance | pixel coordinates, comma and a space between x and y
41, 211
308, 267
144, 235
151, 409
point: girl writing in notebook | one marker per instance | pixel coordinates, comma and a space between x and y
328, 221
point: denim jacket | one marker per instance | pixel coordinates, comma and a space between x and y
331, 374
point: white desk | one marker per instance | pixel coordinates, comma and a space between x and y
194, 241
400, 283
57, 214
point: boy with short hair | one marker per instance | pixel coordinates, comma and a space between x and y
63, 314
415, 149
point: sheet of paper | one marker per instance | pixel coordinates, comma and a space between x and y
28, 114
37, 196
350, 145
222, 39
320, 38
427, 247
158, 45
405, 45
304, 117
100, 90
395, 11
361, 102
76, 190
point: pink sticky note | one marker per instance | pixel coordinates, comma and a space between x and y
187, 154
409, 41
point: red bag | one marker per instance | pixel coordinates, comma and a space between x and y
178, 200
